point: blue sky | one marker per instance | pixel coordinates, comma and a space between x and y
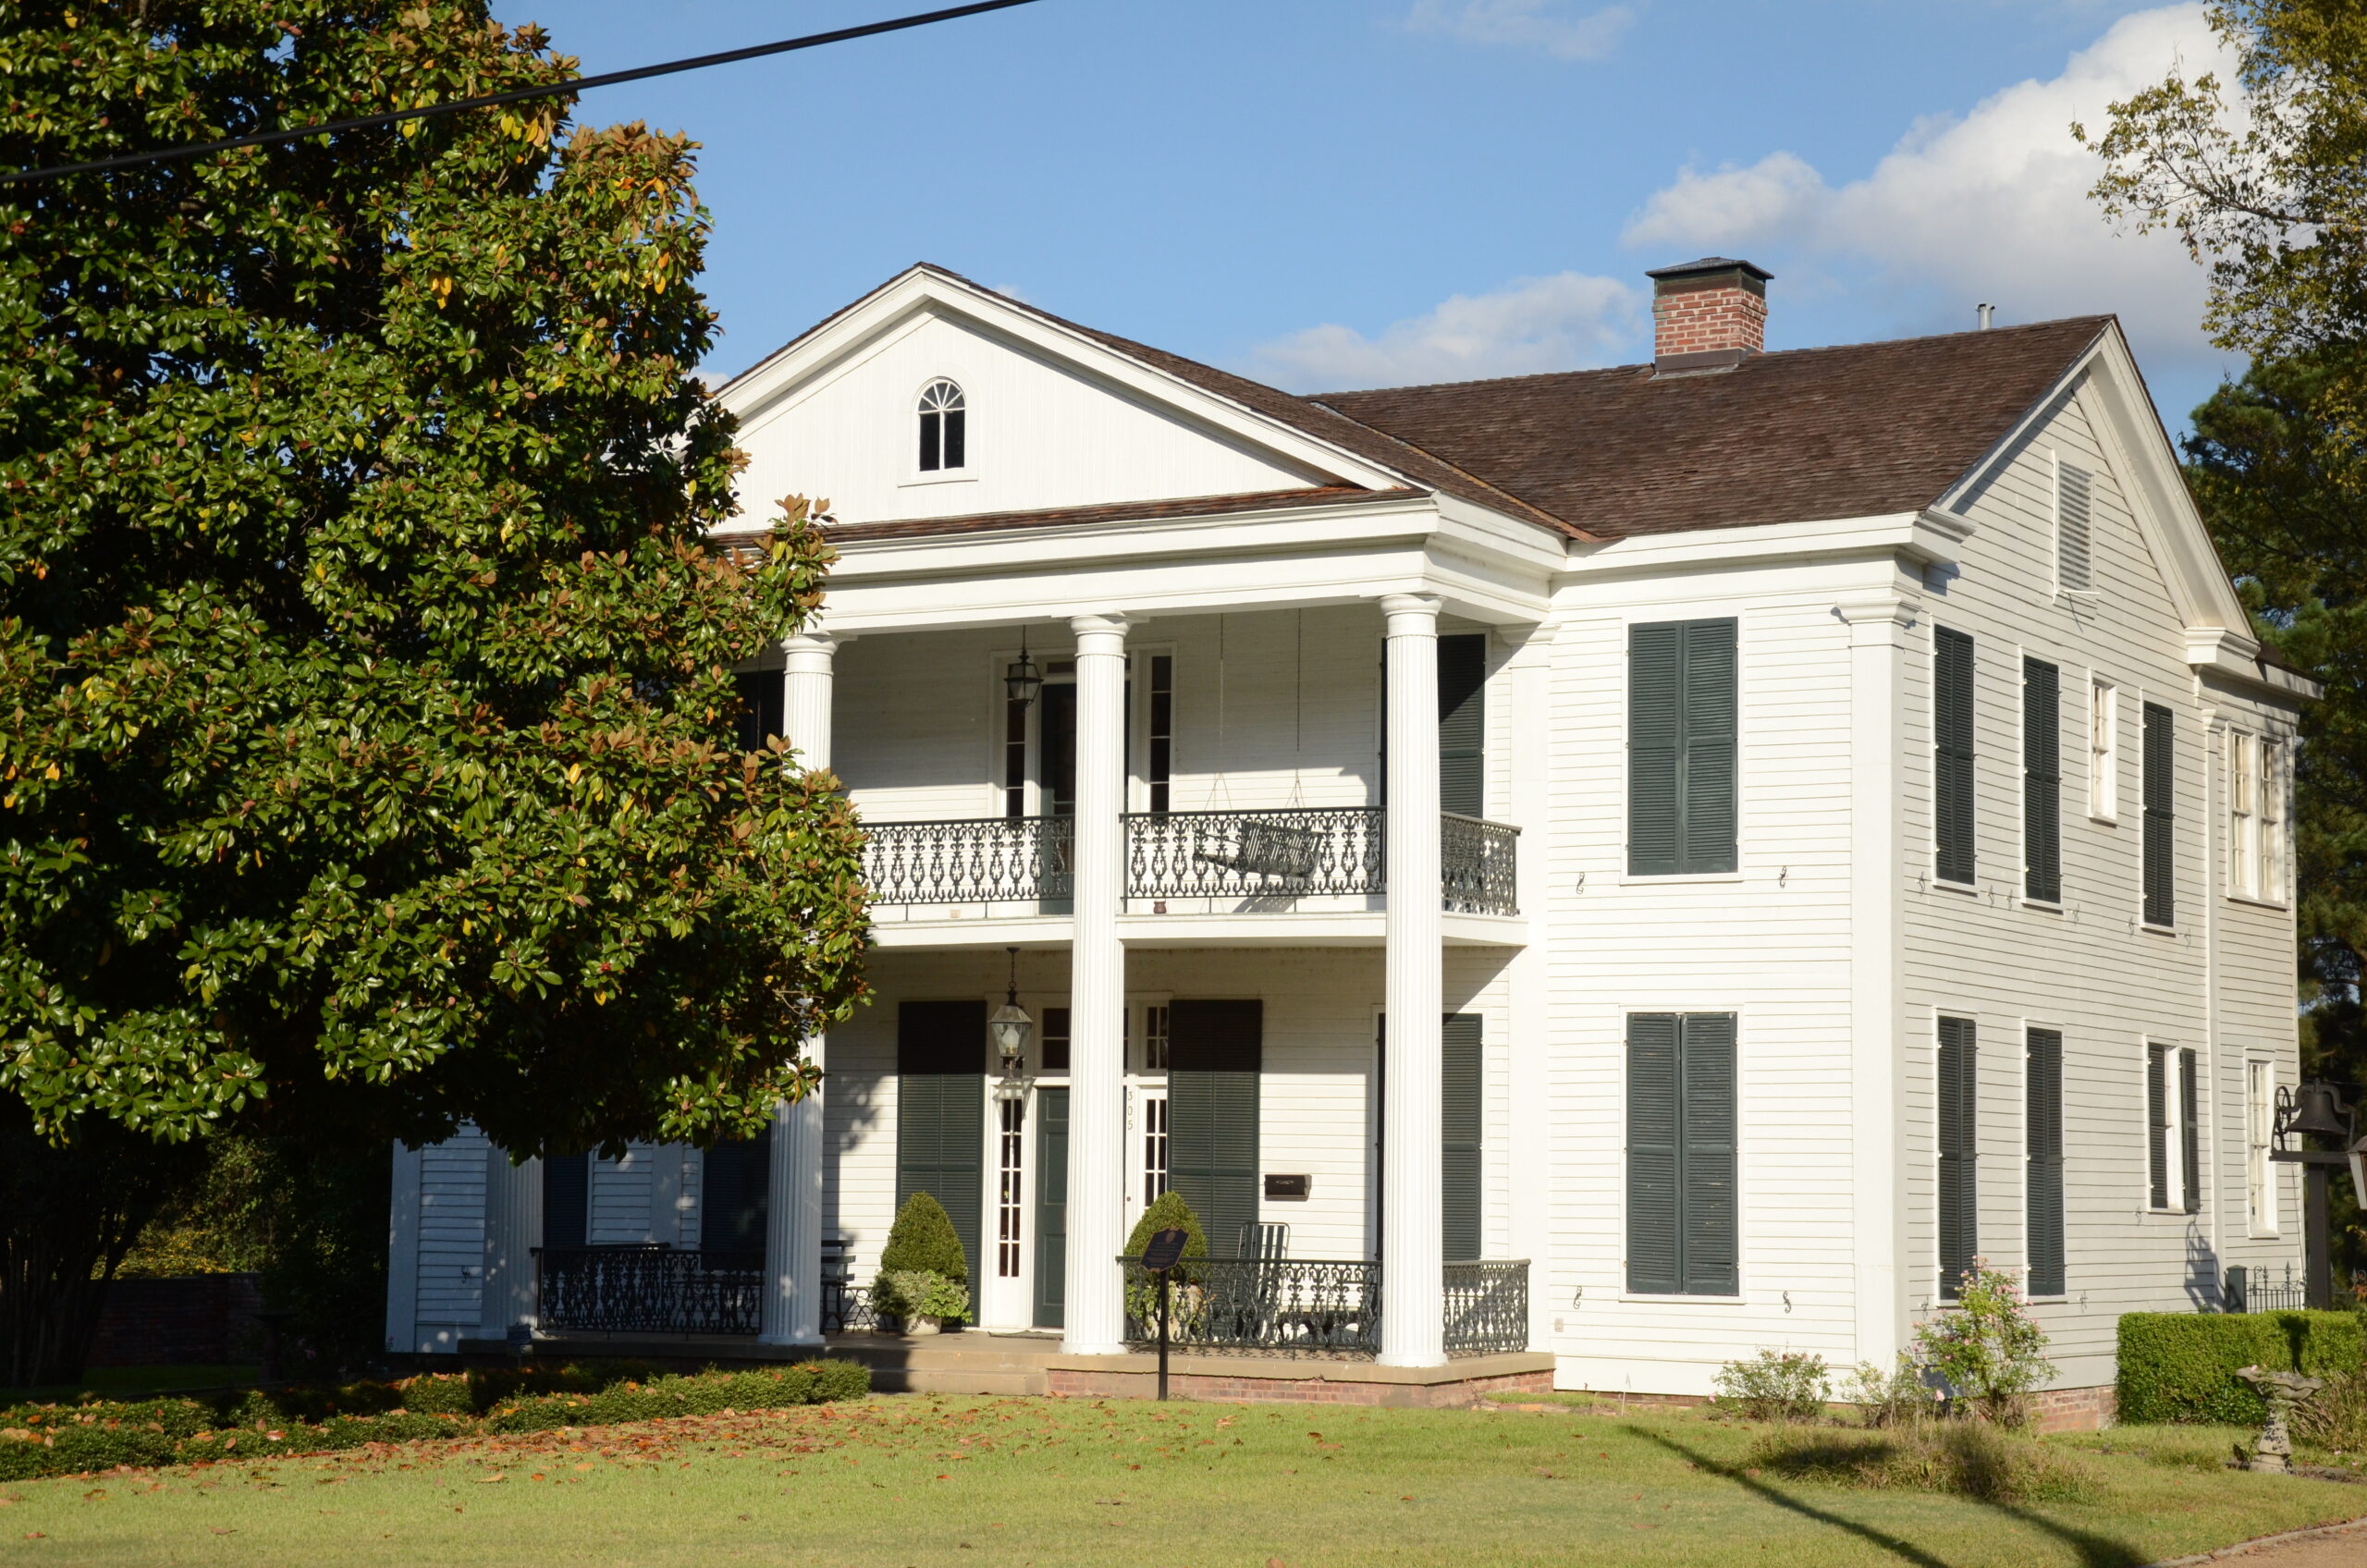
1339, 192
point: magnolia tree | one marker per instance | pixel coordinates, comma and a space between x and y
367, 757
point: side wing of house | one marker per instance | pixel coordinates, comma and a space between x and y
2076, 905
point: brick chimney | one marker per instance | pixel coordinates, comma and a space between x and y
1709, 314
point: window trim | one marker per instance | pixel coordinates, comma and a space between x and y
2260, 1122
914, 473
2170, 1129
1628, 872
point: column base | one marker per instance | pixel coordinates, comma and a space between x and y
1078, 1347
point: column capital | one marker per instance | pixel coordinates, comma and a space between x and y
1098, 627
822, 643
1875, 619
1411, 615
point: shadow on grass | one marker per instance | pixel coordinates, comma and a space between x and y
2095, 1551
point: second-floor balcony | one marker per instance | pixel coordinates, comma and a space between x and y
1326, 859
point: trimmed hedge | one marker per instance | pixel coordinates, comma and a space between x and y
2181, 1365
55, 1439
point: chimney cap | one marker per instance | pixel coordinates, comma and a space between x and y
1708, 265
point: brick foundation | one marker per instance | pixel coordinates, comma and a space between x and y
180, 1320
1451, 1395
2076, 1410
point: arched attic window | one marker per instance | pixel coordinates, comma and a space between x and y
944, 438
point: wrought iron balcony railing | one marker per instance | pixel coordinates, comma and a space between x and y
1487, 1307
1247, 854
1271, 1305
1290, 1306
649, 1289
1476, 865
1222, 856
979, 861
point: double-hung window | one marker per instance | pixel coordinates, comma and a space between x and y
2173, 1145
2103, 750
1952, 755
2260, 1119
2271, 820
1681, 712
2243, 814
1683, 1213
2042, 782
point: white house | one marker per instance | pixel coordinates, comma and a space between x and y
1807, 820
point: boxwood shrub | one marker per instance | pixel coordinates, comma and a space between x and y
2181, 1365
53, 1440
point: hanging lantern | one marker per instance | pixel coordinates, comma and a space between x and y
1022, 680
1009, 1029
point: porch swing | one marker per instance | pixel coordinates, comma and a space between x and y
1279, 851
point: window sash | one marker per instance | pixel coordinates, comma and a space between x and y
2103, 750
2259, 1110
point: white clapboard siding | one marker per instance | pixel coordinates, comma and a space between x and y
451, 1238
2086, 968
1041, 434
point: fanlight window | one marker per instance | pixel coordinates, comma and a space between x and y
944, 439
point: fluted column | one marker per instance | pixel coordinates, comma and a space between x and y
794, 1177
1413, 1278
514, 1228
1098, 996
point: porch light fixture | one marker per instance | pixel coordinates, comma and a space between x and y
1022, 680
1010, 1027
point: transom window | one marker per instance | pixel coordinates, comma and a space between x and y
944, 434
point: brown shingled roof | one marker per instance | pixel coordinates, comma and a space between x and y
1118, 512
1796, 436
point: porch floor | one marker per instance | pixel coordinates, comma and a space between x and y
977, 1362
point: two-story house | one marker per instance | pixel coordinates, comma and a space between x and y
1620, 868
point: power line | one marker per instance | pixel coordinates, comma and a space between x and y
515, 96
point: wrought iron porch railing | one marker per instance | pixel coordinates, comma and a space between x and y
2255, 1289
1235, 855
1276, 1306
1487, 1307
981, 859
1476, 865
649, 1289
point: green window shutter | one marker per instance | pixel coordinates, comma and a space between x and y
2157, 1102
2042, 782
940, 1111
2161, 843
567, 1200
735, 1177
1681, 747
2189, 1133
1051, 1207
1959, 1196
1712, 1261
1653, 1204
1463, 725
1459, 1114
763, 698
1706, 842
1952, 760
1655, 671
2042, 1124
1215, 1053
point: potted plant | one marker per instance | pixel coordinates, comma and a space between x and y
924, 1277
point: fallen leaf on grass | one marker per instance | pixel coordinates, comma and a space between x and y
488, 1480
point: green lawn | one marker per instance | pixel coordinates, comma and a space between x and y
916, 1480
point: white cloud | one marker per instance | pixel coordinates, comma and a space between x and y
1535, 324
1526, 24
1989, 206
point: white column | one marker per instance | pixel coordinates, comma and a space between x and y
1881, 623
1098, 996
514, 1228
794, 1191
1527, 979
402, 1255
1412, 1282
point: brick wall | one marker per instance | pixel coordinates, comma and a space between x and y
1295, 1391
192, 1319
1695, 321
2076, 1410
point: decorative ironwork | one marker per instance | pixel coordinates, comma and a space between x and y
846, 1308
1476, 865
649, 1289
1487, 1307
2248, 1290
1248, 854
1277, 1305
981, 859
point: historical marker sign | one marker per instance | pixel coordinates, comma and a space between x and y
1165, 1250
